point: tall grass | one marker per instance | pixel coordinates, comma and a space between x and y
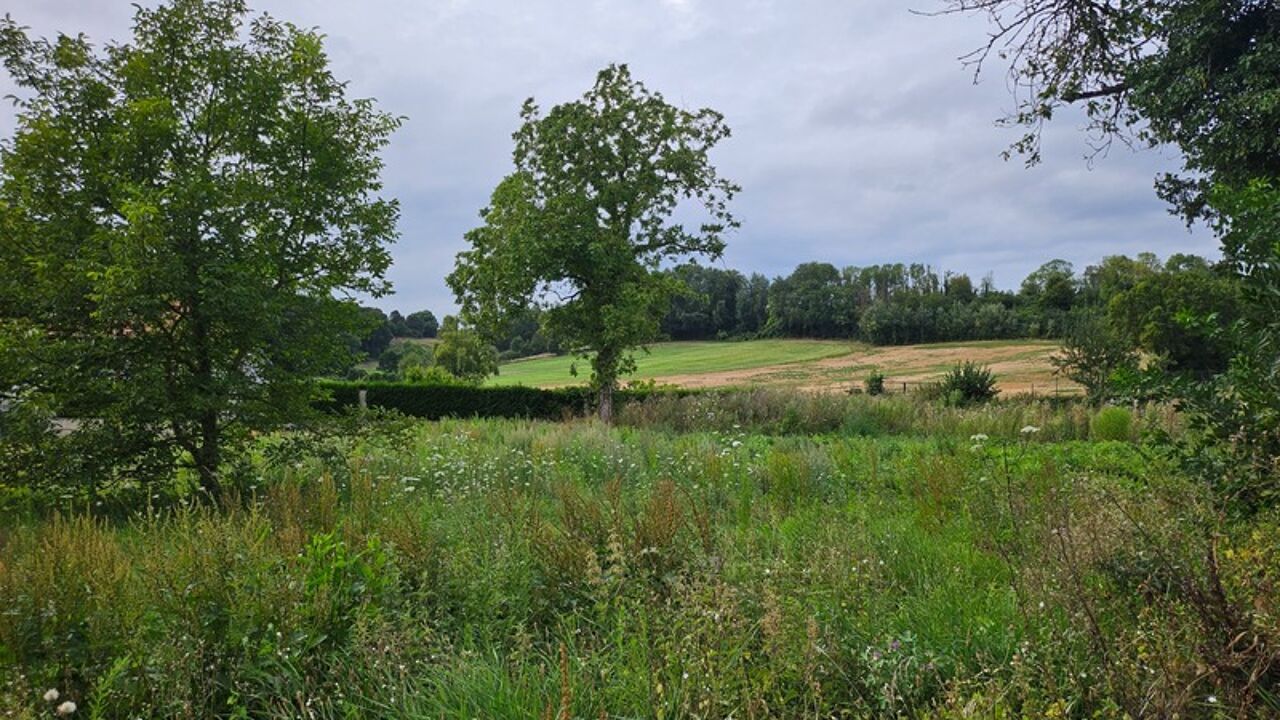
790, 412
515, 570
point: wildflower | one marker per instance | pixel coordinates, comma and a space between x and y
1213, 699
979, 438
66, 708
1029, 430
51, 695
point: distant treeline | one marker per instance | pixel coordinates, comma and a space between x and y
383, 328
899, 304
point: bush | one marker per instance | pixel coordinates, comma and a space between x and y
434, 375
874, 384
969, 383
1112, 423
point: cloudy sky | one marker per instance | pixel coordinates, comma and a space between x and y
858, 137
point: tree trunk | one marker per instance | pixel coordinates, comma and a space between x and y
606, 402
208, 454
605, 365
209, 457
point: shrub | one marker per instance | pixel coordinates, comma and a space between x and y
434, 375
874, 384
969, 383
1092, 354
1111, 423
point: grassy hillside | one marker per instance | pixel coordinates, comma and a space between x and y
1021, 366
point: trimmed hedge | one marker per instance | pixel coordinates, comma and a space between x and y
437, 401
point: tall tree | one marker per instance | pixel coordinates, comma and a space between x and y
582, 225
180, 215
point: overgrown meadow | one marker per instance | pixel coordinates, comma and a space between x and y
507, 569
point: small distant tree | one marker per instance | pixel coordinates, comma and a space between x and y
181, 215
1091, 355
389, 360
378, 332
422, 324
464, 353
403, 356
583, 224
1051, 286
395, 322
960, 288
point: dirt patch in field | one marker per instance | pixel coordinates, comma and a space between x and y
1020, 368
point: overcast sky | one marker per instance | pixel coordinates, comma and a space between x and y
858, 137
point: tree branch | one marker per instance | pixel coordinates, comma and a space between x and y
1104, 91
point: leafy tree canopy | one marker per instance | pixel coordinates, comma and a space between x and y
181, 215
1198, 74
583, 224
1052, 285
464, 353
422, 324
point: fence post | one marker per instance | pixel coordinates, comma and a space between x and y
364, 399
904, 387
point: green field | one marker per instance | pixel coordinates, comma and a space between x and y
680, 358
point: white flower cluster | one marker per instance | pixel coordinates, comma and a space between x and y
66, 708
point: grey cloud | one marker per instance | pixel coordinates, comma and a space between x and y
858, 136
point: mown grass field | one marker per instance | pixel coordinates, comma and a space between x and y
1021, 366
674, 359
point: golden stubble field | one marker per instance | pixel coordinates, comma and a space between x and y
1021, 366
